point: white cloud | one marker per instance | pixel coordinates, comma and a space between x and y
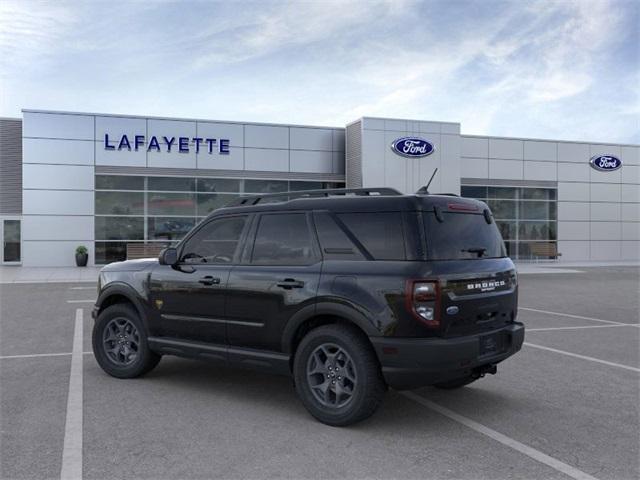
526, 68
28, 28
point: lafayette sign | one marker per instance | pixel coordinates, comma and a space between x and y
158, 144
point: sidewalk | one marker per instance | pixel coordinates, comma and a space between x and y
11, 274
568, 267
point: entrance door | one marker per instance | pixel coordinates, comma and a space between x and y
11, 243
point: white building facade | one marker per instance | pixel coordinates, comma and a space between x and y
109, 182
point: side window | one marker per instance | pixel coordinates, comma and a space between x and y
335, 243
380, 233
283, 239
216, 242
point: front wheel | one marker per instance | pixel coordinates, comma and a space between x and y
337, 375
120, 343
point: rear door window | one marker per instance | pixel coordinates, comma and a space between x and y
462, 236
283, 239
381, 234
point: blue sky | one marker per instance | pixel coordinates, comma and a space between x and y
548, 69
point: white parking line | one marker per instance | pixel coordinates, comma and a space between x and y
72, 449
582, 357
503, 439
83, 288
582, 327
33, 355
571, 316
36, 355
81, 301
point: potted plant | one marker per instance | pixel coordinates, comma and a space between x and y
82, 256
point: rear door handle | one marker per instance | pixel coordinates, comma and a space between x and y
289, 283
209, 280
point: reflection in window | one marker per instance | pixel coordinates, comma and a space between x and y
119, 228
119, 203
295, 186
503, 209
218, 185
175, 184
215, 242
160, 203
524, 215
283, 239
126, 204
265, 186
208, 202
119, 182
169, 228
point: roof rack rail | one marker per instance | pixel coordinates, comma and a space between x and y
255, 199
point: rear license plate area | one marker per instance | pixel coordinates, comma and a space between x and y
491, 344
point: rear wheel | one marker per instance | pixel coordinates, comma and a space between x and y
337, 375
120, 343
456, 383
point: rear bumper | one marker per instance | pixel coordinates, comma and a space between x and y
416, 362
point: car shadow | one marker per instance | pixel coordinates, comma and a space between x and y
276, 394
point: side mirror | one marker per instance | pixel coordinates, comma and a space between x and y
168, 256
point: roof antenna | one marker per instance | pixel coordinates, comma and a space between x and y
425, 190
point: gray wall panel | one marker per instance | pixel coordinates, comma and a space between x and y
266, 136
573, 152
58, 152
311, 139
314, 161
55, 125
544, 151
58, 177
266, 159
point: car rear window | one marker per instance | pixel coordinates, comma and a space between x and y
461, 236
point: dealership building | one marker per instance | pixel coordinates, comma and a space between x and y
121, 184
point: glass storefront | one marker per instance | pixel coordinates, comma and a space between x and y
139, 209
526, 216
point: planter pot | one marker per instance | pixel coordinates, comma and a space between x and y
81, 259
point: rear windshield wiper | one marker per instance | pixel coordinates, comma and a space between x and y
478, 250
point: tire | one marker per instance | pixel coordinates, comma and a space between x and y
455, 383
360, 384
130, 356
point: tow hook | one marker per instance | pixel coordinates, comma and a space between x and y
483, 370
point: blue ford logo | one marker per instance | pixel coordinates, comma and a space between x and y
412, 147
605, 163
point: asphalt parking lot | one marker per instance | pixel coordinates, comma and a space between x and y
567, 406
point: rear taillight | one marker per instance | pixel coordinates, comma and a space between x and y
423, 300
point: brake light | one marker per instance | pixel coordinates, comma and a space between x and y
462, 207
423, 301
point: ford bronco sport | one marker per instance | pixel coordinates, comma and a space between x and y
347, 291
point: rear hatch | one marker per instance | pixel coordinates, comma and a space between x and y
478, 282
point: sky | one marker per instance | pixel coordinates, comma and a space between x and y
537, 69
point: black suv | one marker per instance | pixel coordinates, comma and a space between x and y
348, 291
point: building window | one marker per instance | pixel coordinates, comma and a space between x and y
163, 210
525, 216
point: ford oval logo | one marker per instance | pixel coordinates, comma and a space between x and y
412, 147
605, 163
